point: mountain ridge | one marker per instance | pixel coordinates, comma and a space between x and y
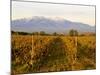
49, 25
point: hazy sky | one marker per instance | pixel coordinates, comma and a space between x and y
84, 14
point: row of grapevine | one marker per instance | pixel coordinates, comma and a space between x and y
81, 52
87, 51
52, 53
21, 47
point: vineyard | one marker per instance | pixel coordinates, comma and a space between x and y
52, 53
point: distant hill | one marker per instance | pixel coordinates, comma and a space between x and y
36, 24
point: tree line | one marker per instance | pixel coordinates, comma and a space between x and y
71, 32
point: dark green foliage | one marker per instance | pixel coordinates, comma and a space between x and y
55, 34
73, 32
20, 33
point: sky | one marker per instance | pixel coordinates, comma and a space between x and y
75, 13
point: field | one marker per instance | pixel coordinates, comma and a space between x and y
52, 53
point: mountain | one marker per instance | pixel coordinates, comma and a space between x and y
49, 25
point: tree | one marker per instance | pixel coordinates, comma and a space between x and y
76, 33
73, 32
36, 33
54, 33
42, 33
